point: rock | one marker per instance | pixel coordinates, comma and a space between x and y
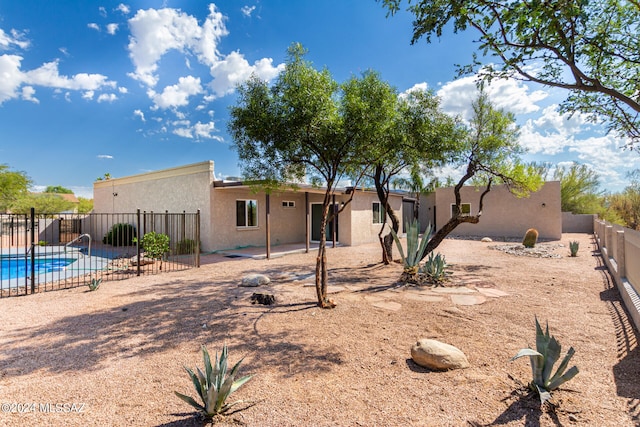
254, 280
437, 355
486, 240
264, 299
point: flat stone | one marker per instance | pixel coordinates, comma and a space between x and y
424, 298
468, 299
388, 305
454, 290
492, 292
254, 280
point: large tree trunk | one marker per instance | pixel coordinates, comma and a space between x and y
386, 242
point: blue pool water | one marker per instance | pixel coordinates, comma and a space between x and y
12, 268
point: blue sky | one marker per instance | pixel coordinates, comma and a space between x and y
93, 87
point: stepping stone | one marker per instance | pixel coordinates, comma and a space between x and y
492, 293
468, 299
456, 290
372, 299
388, 305
424, 298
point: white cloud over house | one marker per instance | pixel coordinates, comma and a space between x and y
176, 95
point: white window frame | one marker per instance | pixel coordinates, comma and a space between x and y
462, 205
380, 219
288, 204
246, 214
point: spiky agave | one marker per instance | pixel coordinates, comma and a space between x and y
542, 359
415, 249
214, 385
435, 267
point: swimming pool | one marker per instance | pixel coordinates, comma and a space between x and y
13, 268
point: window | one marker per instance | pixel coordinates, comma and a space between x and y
246, 213
288, 204
378, 213
465, 209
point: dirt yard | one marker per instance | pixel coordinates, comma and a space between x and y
114, 357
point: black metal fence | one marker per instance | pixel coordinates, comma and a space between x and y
43, 252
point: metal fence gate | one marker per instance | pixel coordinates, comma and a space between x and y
42, 252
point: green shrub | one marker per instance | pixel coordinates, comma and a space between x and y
415, 251
155, 245
213, 385
121, 234
573, 247
530, 238
542, 359
42, 243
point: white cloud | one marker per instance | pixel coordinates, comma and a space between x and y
88, 94
107, 97
11, 76
48, 75
27, 94
156, 32
184, 129
183, 132
177, 95
112, 28
510, 95
247, 10
64, 51
104, 156
93, 26
16, 38
122, 89
235, 69
123, 8
103, 11
139, 113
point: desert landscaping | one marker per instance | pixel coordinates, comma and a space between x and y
115, 356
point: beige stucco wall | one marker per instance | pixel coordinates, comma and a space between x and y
505, 215
577, 223
632, 256
185, 188
426, 213
363, 230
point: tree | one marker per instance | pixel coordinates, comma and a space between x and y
579, 192
85, 205
492, 156
419, 136
297, 127
573, 45
42, 202
626, 205
58, 189
13, 185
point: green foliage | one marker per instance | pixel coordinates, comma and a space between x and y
42, 203
624, 207
542, 359
530, 238
13, 185
42, 243
94, 284
415, 247
572, 45
186, 247
214, 385
85, 205
155, 245
58, 189
573, 248
434, 268
579, 192
121, 234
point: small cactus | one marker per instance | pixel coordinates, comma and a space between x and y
573, 247
530, 238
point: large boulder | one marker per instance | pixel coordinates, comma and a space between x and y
255, 280
438, 356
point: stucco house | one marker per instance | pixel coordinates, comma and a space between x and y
504, 214
233, 215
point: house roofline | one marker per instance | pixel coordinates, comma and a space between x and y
191, 169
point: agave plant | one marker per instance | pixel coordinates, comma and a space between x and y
94, 284
435, 268
573, 247
214, 385
415, 249
542, 359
